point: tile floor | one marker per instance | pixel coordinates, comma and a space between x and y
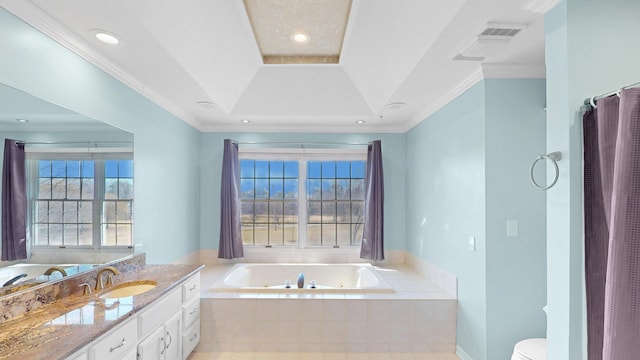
318, 356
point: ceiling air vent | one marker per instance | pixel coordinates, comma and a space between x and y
500, 32
491, 40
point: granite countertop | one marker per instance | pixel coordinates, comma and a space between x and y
59, 329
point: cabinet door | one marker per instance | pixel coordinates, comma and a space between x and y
152, 347
131, 355
173, 337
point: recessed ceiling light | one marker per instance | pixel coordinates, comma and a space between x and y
360, 122
207, 104
23, 121
300, 37
106, 37
245, 121
395, 106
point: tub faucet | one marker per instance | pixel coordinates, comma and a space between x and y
301, 281
55, 268
13, 280
99, 283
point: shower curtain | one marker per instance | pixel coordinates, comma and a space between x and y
612, 226
14, 202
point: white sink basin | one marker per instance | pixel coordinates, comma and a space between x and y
130, 288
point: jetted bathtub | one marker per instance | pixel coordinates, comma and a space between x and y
328, 278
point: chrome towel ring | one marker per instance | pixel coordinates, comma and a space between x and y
554, 157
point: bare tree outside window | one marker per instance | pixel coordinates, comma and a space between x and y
334, 202
65, 202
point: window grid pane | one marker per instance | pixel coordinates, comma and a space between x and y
269, 206
63, 207
62, 204
335, 202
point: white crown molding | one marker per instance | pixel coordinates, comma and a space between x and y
486, 71
513, 71
251, 128
44, 23
443, 100
539, 6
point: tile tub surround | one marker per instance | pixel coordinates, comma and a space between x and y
57, 330
418, 317
19, 303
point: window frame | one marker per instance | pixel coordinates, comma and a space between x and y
100, 155
302, 156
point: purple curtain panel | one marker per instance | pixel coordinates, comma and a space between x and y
14, 202
230, 245
372, 247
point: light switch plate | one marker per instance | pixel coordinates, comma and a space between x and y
512, 228
472, 243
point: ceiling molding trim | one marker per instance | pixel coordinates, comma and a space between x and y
253, 128
539, 6
446, 98
40, 20
514, 71
486, 71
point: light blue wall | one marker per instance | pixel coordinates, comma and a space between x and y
467, 174
393, 154
591, 49
166, 150
516, 266
445, 205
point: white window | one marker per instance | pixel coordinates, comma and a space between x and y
80, 200
311, 198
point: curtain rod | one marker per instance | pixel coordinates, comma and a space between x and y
592, 100
298, 143
88, 143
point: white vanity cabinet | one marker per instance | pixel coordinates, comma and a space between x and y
164, 342
81, 355
167, 329
166, 324
190, 315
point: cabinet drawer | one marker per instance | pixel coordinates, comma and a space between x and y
190, 339
191, 288
116, 344
190, 312
157, 313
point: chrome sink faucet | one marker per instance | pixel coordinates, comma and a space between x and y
99, 283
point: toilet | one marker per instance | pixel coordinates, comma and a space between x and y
530, 349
